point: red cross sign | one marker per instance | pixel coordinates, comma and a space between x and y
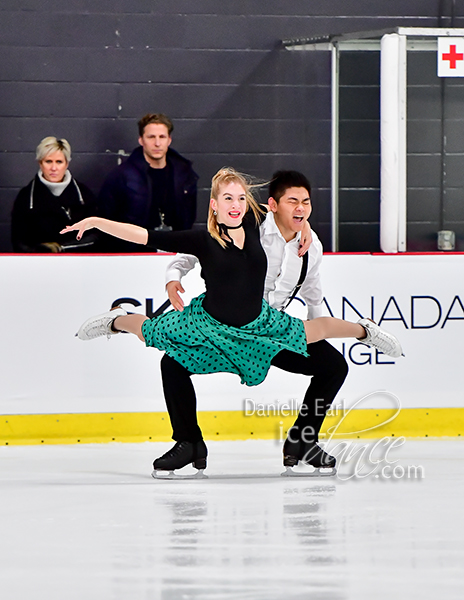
450, 57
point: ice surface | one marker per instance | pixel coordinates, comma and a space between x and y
89, 522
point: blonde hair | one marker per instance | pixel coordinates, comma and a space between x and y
225, 176
52, 144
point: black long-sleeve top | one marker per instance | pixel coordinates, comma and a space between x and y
234, 278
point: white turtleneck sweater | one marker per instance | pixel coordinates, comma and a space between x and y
56, 188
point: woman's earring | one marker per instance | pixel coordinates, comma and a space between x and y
214, 213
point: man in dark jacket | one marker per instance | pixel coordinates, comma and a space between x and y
154, 188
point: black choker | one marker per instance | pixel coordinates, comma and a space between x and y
222, 226
224, 230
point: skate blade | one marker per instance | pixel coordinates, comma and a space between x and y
170, 475
320, 472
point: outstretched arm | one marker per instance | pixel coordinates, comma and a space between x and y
124, 231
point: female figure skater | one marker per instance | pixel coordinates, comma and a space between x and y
229, 328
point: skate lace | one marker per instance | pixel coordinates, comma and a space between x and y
384, 341
98, 329
380, 339
175, 450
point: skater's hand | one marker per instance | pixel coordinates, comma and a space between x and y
174, 288
306, 239
80, 227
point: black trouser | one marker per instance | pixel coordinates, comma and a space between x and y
326, 365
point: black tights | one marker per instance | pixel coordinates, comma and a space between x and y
325, 364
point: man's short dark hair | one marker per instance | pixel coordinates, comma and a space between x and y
158, 118
283, 180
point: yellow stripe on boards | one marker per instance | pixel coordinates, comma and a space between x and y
225, 425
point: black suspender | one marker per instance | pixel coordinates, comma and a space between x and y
304, 270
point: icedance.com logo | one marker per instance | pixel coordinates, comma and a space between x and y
356, 459
359, 460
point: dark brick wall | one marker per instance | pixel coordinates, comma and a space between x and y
86, 70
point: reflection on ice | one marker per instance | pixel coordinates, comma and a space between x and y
90, 522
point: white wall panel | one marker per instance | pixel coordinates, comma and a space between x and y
45, 369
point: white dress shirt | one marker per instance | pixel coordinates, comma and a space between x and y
283, 268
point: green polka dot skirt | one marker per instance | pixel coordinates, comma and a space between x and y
203, 345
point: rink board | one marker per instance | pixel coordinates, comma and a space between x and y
45, 370
226, 425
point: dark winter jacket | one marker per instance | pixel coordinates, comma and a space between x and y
126, 195
38, 217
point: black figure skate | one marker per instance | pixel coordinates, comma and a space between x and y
309, 453
180, 455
